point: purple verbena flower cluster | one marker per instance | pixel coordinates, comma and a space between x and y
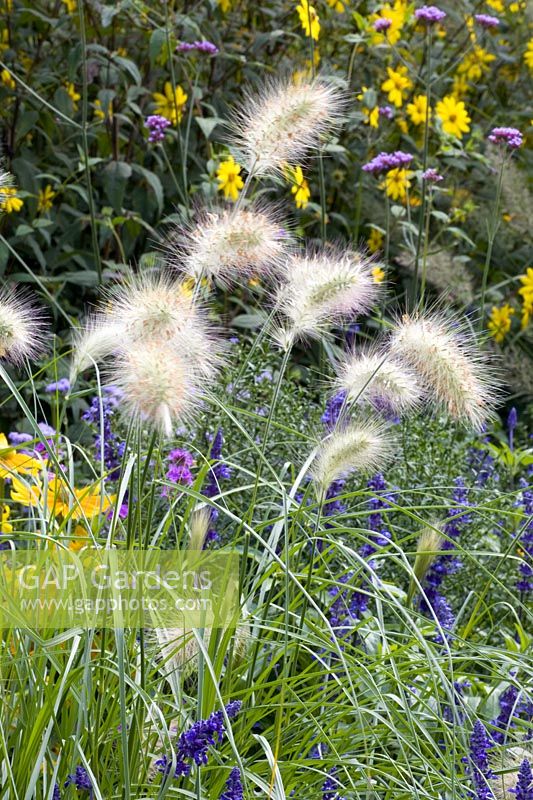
157, 126
432, 176
233, 790
486, 21
193, 744
39, 449
386, 111
100, 414
480, 771
382, 24
203, 46
179, 472
429, 14
383, 162
511, 137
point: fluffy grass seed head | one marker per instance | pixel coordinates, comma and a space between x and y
322, 289
95, 341
230, 246
428, 548
22, 326
285, 120
363, 447
155, 310
160, 387
6, 181
451, 367
379, 379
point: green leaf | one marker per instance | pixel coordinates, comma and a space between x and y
130, 67
116, 175
208, 124
153, 181
157, 42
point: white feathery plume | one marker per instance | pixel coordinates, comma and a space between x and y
22, 326
230, 246
149, 307
379, 379
95, 341
283, 121
363, 447
160, 387
149, 310
321, 289
6, 180
155, 308
450, 365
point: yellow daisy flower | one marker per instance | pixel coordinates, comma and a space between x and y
45, 198
309, 19
396, 84
337, 6
300, 188
7, 79
229, 178
418, 109
397, 183
475, 64
528, 55
170, 105
378, 274
13, 462
453, 116
10, 202
375, 240
500, 321
5, 525
60, 500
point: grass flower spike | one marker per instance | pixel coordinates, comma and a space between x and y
379, 379
450, 365
231, 246
22, 329
360, 447
284, 121
150, 310
322, 289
